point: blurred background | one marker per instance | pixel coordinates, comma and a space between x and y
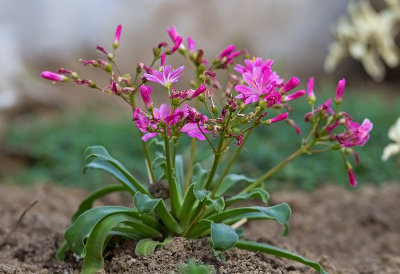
45, 128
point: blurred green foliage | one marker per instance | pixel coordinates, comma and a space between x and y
57, 146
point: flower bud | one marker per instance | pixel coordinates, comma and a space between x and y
291, 84
54, 76
117, 37
215, 110
339, 90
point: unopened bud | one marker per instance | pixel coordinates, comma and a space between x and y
156, 52
75, 76
215, 110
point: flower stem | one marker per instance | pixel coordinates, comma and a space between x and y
189, 172
148, 159
173, 188
217, 157
230, 163
272, 171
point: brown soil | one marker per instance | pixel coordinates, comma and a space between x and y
356, 232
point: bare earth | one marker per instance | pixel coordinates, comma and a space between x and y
346, 232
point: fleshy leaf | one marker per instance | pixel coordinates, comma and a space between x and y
95, 244
83, 225
218, 204
144, 204
147, 246
266, 248
87, 203
230, 181
256, 193
98, 157
223, 236
199, 175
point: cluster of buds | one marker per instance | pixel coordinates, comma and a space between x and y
255, 95
325, 121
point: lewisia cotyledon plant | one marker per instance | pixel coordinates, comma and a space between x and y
197, 202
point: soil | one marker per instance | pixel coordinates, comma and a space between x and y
347, 232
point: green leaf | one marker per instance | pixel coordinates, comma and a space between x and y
199, 192
60, 254
223, 236
144, 204
147, 246
280, 213
265, 248
218, 204
87, 203
256, 193
179, 171
98, 157
77, 233
230, 180
199, 175
95, 244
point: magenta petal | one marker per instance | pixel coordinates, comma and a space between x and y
147, 136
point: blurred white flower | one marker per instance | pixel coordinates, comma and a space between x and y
394, 135
367, 36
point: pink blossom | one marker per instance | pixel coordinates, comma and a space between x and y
165, 77
145, 92
198, 91
117, 36
162, 59
294, 95
227, 55
54, 76
257, 76
355, 134
191, 44
102, 49
173, 34
291, 84
192, 130
352, 178
339, 90
310, 87
296, 127
273, 98
177, 44
278, 118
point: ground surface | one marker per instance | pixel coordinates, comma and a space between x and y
347, 232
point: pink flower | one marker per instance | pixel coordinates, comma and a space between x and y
173, 34
296, 127
198, 91
192, 130
191, 44
54, 76
291, 84
278, 118
257, 76
227, 55
165, 77
310, 87
117, 36
339, 90
294, 95
355, 134
177, 44
352, 178
162, 59
145, 92
273, 98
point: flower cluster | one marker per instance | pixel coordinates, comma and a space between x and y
223, 117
